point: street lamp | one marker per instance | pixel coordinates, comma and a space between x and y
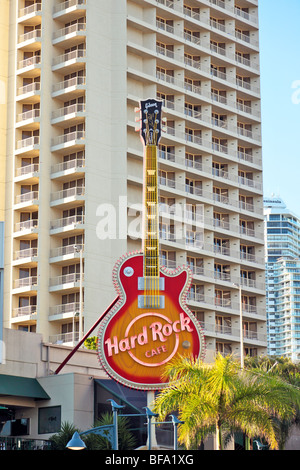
79, 249
76, 443
239, 287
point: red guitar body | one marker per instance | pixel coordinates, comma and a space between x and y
136, 341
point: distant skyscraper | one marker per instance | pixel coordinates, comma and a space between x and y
282, 236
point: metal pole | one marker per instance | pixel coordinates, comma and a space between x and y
80, 295
86, 335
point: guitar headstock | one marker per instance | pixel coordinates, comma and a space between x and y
150, 121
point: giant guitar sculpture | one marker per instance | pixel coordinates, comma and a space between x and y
151, 323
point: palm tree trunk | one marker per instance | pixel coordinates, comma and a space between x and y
219, 443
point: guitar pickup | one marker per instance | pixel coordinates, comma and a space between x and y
151, 301
151, 283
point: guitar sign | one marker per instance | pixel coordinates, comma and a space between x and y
151, 323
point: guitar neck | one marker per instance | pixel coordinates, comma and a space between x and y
151, 216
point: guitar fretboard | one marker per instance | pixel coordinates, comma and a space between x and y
151, 223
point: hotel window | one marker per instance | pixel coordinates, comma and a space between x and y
166, 178
245, 153
165, 74
223, 325
194, 212
241, 34
193, 161
193, 186
222, 298
221, 245
219, 144
166, 152
218, 95
218, 71
168, 259
166, 25
243, 105
167, 204
221, 220
217, 23
193, 135
243, 81
246, 203
219, 120
194, 239
193, 36
247, 252
192, 85
195, 264
218, 47
167, 100
220, 195
220, 169
222, 271
193, 110
192, 60
247, 227
165, 49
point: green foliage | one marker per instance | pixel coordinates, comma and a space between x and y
125, 437
91, 343
60, 440
224, 399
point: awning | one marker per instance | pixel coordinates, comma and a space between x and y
11, 385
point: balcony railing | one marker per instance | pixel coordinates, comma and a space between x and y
73, 55
69, 165
64, 338
36, 7
74, 28
27, 253
30, 281
26, 225
71, 82
67, 221
27, 169
65, 250
66, 110
27, 310
32, 114
68, 4
31, 88
27, 197
66, 138
31, 61
72, 307
29, 142
65, 279
35, 34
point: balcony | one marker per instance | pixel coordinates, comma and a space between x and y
70, 88
65, 252
70, 35
28, 173
31, 14
72, 61
29, 93
29, 120
28, 226
26, 284
28, 310
26, 255
70, 8
66, 224
71, 114
32, 65
29, 145
67, 197
28, 199
30, 41
73, 139
66, 168
64, 282
65, 338
64, 311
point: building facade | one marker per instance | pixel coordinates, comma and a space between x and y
282, 238
76, 72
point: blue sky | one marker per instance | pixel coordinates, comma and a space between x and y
280, 69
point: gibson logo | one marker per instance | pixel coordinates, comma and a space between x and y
157, 332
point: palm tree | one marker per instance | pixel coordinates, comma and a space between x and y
222, 398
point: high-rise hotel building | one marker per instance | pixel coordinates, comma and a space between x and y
76, 72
